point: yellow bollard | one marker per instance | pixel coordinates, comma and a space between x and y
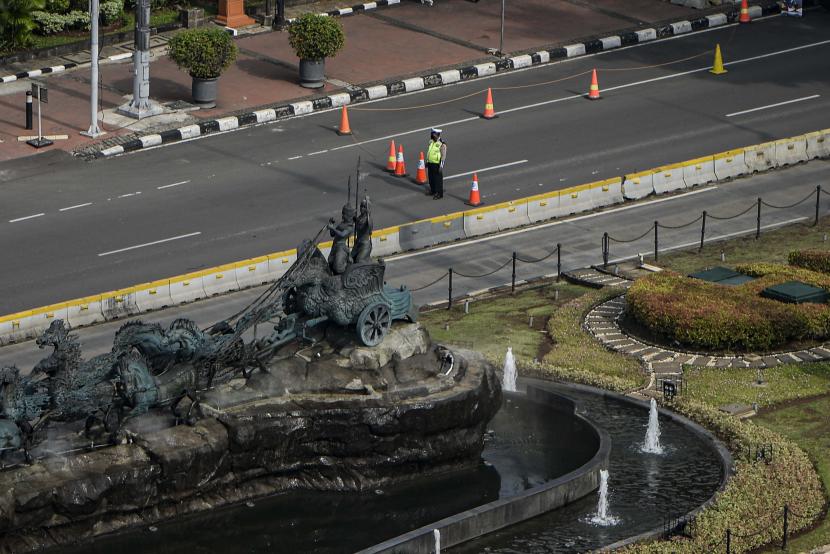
717, 67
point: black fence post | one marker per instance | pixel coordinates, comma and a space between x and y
786, 518
28, 109
558, 261
758, 225
655, 240
729, 541
605, 249
818, 202
513, 277
702, 231
449, 290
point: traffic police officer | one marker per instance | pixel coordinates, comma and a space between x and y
436, 156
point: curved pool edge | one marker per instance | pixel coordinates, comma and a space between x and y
727, 461
487, 518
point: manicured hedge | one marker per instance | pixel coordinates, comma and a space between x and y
752, 503
777, 273
702, 315
816, 260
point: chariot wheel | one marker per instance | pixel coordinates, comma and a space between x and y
374, 323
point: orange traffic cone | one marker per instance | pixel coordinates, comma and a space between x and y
421, 175
344, 123
489, 112
744, 17
392, 161
593, 93
475, 199
400, 165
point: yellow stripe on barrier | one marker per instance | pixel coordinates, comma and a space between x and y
698, 162
729, 154
636, 176
605, 184
543, 198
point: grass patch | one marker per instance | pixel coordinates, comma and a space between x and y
774, 246
717, 387
806, 423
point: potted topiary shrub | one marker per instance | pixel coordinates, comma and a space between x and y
314, 38
205, 53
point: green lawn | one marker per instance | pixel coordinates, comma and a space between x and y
808, 424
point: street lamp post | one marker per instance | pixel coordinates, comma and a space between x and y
94, 130
501, 32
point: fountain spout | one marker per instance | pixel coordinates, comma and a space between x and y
509, 379
652, 442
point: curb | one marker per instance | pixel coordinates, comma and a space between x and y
59, 68
357, 8
434, 80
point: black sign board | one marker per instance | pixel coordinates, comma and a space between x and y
40, 92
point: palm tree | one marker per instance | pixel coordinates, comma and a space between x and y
16, 22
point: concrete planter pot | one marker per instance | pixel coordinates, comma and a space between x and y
313, 73
204, 91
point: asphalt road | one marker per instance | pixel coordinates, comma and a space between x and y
73, 228
580, 237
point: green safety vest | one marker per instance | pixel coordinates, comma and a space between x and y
434, 152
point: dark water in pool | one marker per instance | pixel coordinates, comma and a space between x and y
530, 444
644, 488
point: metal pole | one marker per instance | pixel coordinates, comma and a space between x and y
449, 291
501, 31
655, 241
786, 518
28, 109
558, 261
818, 202
39, 127
605, 249
93, 130
513, 278
758, 225
702, 231
729, 541
280, 13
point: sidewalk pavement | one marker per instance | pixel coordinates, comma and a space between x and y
404, 40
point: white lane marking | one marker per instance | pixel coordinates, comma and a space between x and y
150, 243
25, 218
551, 224
173, 185
318, 152
482, 170
773, 105
75, 206
422, 129
295, 157
129, 194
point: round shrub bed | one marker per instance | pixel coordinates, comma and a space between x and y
703, 315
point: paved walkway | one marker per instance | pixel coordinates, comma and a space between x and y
406, 39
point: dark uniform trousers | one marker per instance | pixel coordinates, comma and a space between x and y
436, 179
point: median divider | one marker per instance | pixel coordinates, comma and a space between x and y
668, 178
385, 242
607, 193
84, 311
730, 164
429, 232
760, 157
219, 280
253, 272
818, 144
699, 172
153, 296
187, 288
638, 185
791, 151
119, 303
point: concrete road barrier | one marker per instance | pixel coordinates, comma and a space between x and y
252, 273
119, 303
699, 172
638, 185
85, 311
279, 262
668, 179
543, 207
730, 164
187, 288
18, 327
818, 144
153, 296
791, 151
220, 280
606, 193
760, 157
575, 199
481, 221
385, 242
429, 232
511, 215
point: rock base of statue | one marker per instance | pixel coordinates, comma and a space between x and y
329, 416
